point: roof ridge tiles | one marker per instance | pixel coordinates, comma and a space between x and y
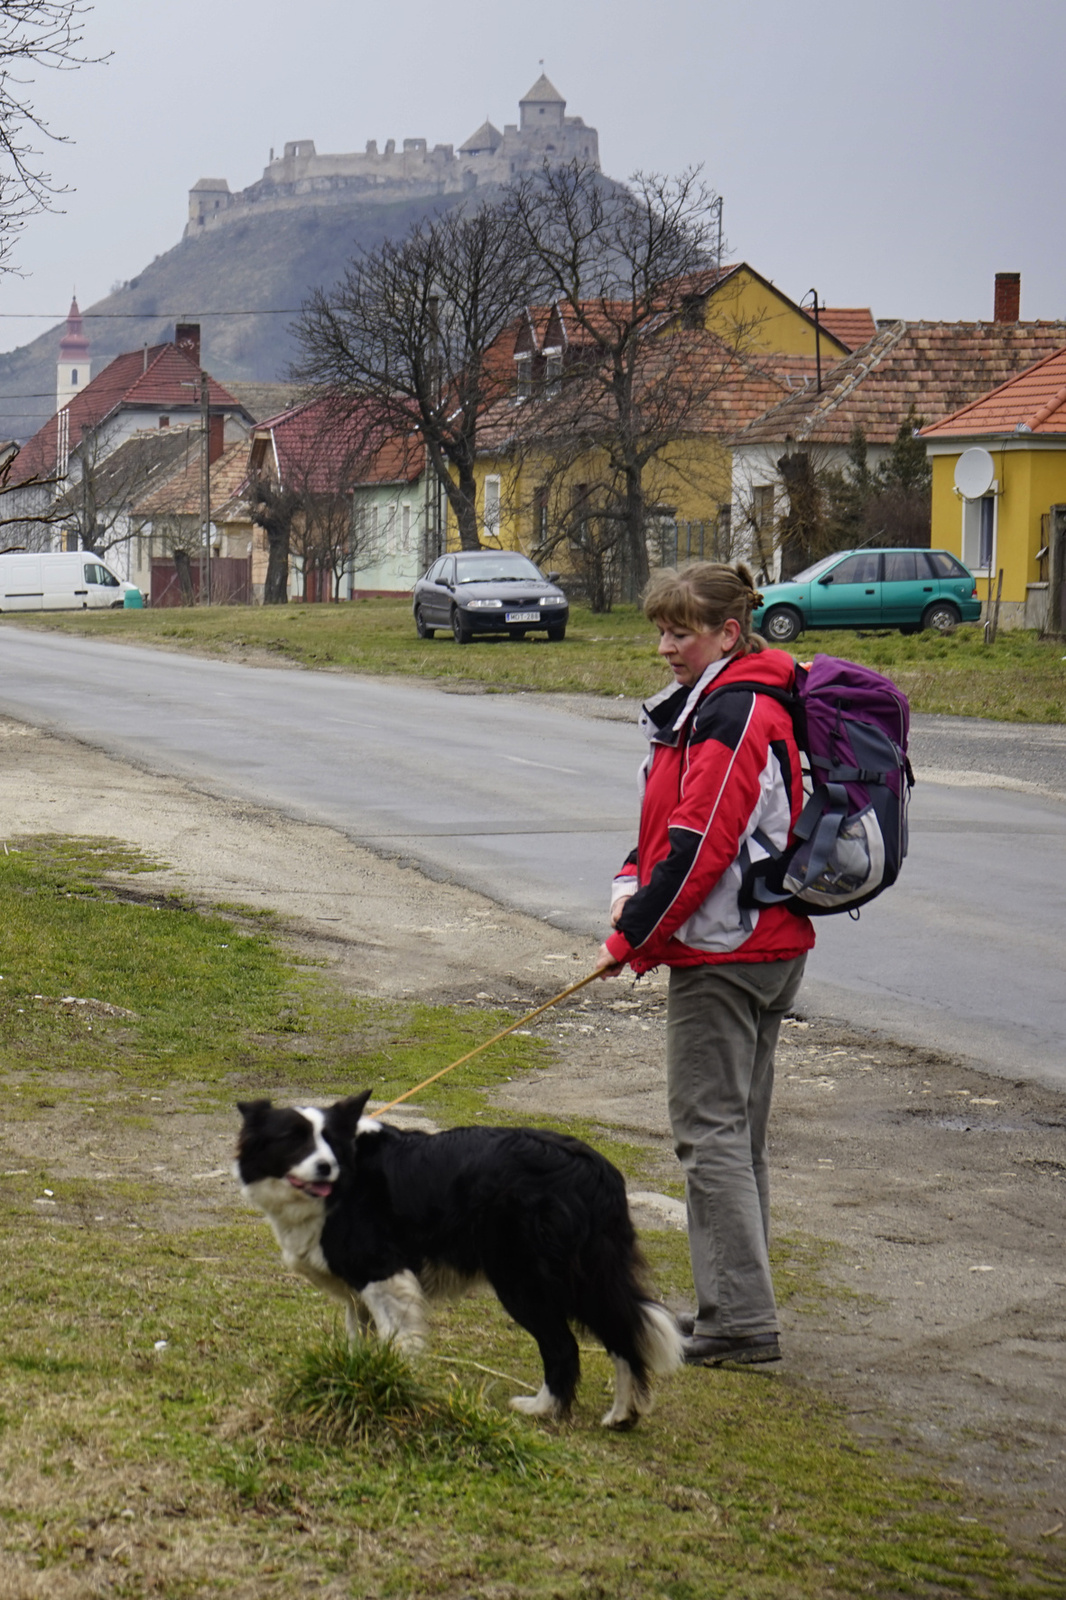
1048, 409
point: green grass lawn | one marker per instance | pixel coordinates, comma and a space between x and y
1018, 679
178, 1417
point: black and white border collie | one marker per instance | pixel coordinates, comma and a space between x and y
397, 1215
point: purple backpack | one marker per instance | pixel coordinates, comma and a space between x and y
851, 837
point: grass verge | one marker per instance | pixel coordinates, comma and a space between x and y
1018, 679
178, 1417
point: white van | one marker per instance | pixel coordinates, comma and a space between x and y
58, 581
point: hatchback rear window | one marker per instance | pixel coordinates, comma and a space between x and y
945, 566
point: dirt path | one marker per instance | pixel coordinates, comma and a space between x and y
941, 1193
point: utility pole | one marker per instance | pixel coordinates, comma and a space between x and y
205, 485
817, 337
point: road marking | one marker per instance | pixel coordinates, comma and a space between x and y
543, 765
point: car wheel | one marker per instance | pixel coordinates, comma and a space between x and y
557, 631
782, 625
941, 617
460, 631
420, 625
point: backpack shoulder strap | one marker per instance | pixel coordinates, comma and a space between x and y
792, 702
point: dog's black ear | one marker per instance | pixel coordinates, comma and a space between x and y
345, 1114
254, 1110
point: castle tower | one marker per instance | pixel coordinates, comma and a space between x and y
72, 372
542, 107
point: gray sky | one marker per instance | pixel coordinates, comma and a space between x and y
894, 156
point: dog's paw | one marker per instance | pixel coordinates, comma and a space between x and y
620, 1419
543, 1404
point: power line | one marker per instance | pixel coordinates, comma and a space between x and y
147, 316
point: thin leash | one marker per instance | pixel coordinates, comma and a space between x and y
521, 1021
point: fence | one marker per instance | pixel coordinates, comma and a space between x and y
671, 544
231, 582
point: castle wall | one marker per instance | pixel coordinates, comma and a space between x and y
412, 171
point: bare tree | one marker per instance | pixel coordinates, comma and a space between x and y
300, 489
414, 329
97, 507
273, 506
33, 33
634, 368
832, 507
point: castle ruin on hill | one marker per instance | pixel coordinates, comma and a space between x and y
543, 134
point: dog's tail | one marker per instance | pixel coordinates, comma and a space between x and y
659, 1339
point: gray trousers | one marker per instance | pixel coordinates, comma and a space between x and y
722, 1024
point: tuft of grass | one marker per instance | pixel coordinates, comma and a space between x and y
1021, 678
367, 1395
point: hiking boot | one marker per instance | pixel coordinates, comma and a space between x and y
739, 1350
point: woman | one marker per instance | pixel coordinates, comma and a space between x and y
722, 765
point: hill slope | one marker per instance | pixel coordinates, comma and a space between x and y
259, 263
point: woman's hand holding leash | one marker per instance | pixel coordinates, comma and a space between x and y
606, 966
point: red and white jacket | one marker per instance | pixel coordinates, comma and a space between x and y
718, 770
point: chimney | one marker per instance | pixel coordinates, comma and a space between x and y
187, 337
216, 438
1008, 304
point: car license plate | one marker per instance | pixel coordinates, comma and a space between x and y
522, 616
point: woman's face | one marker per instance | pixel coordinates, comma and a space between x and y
689, 652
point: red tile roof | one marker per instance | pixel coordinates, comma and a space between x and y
1032, 402
161, 377
322, 449
732, 391
934, 366
851, 326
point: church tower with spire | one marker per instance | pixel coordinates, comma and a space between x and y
73, 371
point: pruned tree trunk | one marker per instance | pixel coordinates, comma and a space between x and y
636, 535
464, 504
276, 588
183, 567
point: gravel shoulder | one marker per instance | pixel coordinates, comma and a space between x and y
939, 1193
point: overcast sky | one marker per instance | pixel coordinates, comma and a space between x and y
894, 156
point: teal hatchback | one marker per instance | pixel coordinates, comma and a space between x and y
905, 589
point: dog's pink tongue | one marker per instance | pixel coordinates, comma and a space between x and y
320, 1190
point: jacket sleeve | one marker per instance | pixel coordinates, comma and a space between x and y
721, 784
625, 880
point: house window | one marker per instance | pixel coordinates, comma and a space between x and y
405, 526
540, 513
553, 373
979, 533
73, 374
524, 376
492, 507
762, 506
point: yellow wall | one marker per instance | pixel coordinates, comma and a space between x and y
1030, 481
753, 316
693, 477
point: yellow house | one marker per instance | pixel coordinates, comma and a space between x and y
766, 346
755, 317
999, 465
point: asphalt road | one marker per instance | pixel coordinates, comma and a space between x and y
534, 804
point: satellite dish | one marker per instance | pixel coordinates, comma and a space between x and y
975, 473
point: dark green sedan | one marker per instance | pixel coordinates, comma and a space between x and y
905, 589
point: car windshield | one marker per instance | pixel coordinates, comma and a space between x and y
504, 568
819, 566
